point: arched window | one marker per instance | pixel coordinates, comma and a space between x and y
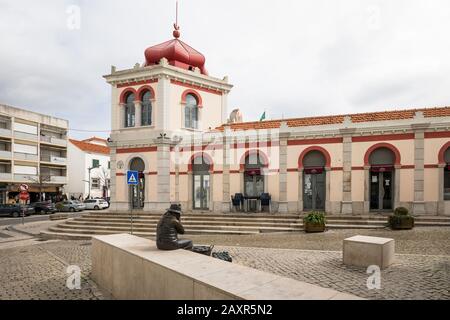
146, 109
382, 156
313, 159
191, 112
130, 111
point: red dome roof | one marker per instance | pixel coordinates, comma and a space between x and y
178, 53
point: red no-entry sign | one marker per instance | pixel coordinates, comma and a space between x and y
24, 196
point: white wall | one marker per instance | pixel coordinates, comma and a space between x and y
78, 163
95, 173
75, 168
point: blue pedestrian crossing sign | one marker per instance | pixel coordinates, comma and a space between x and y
132, 178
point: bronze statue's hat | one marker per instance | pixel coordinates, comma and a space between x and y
175, 208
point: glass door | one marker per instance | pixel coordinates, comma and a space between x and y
201, 191
381, 190
314, 191
138, 193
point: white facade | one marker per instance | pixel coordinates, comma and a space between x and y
80, 160
33, 150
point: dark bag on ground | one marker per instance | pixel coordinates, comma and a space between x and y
225, 256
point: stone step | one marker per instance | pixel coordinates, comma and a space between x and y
188, 228
57, 229
354, 226
220, 222
185, 218
186, 224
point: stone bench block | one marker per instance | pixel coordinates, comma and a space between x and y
129, 267
364, 251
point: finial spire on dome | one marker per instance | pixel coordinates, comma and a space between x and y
176, 32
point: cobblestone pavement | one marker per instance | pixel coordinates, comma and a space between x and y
411, 277
38, 272
420, 240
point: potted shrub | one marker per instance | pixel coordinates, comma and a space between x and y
314, 222
401, 220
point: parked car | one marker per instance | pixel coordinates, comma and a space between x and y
70, 205
44, 207
96, 204
15, 210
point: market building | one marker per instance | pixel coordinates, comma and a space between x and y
170, 122
33, 151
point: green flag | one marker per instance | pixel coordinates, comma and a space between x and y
263, 117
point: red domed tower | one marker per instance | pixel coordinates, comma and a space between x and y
178, 53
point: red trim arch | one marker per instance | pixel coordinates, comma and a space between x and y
195, 94
441, 156
382, 145
125, 92
205, 156
264, 158
143, 89
315, 148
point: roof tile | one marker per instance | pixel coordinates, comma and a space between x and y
90, 147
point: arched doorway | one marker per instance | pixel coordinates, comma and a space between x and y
447, 174
253, 175
314, 181
201, 183
382, 161
137, 192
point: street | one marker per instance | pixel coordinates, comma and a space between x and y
33, 218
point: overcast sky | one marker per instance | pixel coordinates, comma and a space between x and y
292, 58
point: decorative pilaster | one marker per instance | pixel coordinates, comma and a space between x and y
163, 168
163, 103
283, 204
441, 201
347, 205
419, 167
122, 115
137, 113
226, 200
327, 190
367, 188
300, 190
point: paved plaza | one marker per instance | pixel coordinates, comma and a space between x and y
33, 269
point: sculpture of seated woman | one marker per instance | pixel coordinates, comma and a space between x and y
169, 226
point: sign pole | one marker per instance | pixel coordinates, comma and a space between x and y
133, 181
133, 188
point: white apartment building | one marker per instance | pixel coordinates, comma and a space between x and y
33, 150
89, 168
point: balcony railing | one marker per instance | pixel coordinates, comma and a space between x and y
5, 132
25, 156
5, 154
25, 136
56, 179
54, 159
25, 177
53, 140
5, 176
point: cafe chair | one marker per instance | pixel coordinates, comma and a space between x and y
266, 201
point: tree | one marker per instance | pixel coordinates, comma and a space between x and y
40, 180
104, 176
